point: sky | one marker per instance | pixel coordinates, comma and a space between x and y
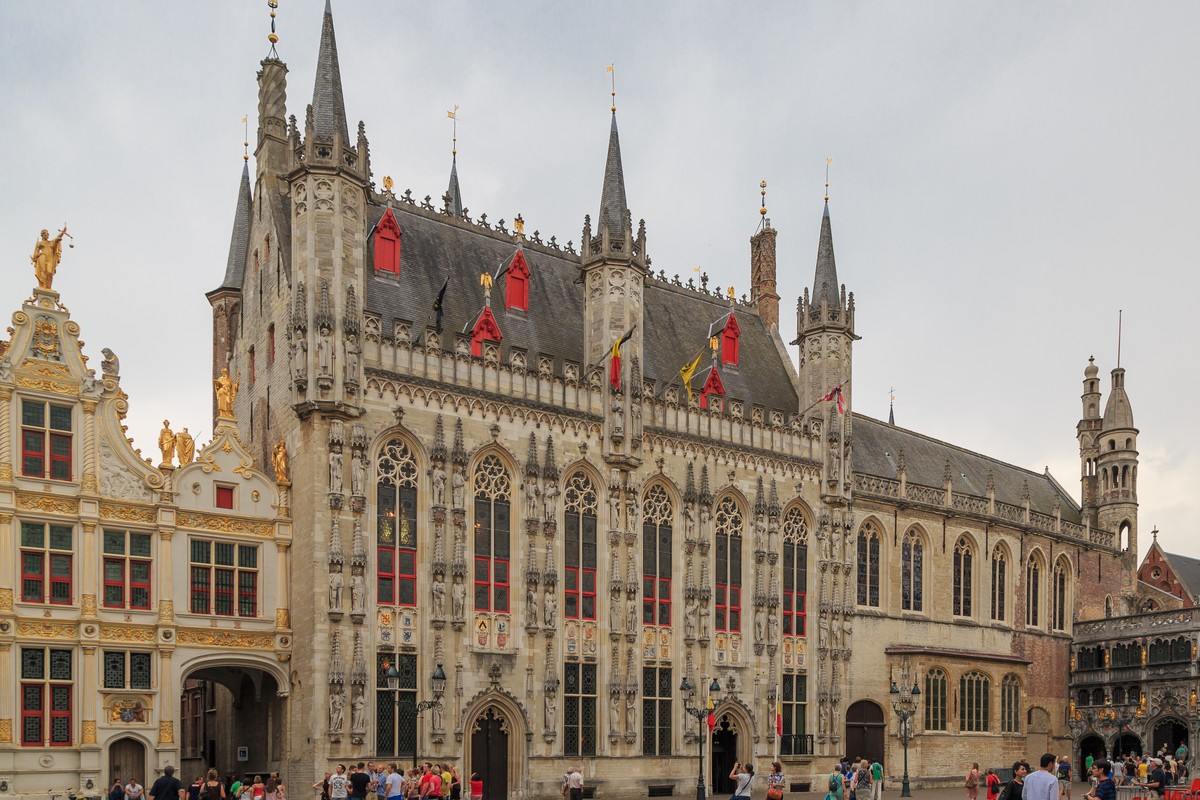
1006, 178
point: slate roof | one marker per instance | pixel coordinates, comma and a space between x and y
676, 319
239, 240
877, 448
1187, 570
825, 277
329, 109
613, 208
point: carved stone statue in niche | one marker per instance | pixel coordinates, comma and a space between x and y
689, 523
772, 629
358, 476
618, 416
630, 712
337, 705
690, 613
550, 607
635, 416
550, 500
531, 606
614, 713
458, 594
773, 539
704, 612
336, 582
439, 716
324, 352
335, 472
352, 361
439, 597
614, 511
614, 613
460, 488
631, 615
358, 711
760, 624
531, 497
358, 592
300, 357
439, 486
551, 711
760, 533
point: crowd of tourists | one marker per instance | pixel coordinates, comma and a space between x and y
389, 782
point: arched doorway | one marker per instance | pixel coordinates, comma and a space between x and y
232, 711
490, 752
127, 759
1090, 745
1169, 732
724, 754
1127, 744
864, 731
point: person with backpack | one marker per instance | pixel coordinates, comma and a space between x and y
860, 782
992, 781
835, 783
212, 789
972, 781
876, 781
1064, 777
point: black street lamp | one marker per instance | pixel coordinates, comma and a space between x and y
437, 682
904, 703
689, 695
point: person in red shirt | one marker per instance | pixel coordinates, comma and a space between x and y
431, 783
476, 787
993, 784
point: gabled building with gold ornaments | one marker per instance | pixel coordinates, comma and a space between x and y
542, 483
124, 585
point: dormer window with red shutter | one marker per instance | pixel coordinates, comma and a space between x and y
729, 341
516, 283
712, 386
485, 329
387, 244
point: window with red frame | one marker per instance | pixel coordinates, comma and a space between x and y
387, 244
396, 526
728, 593
493, 489
579, 521
223, 579
516, 283
47, 552
729, 341
45, 440
223, 496
486, 330
713, 387
127, 559
657, 515
47, 681
795, 573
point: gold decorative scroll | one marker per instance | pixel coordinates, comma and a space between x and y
282, 618
6, 599
215, 638
126, 633
166, 732
46, 385
6, 731
46, 630
166, 610
47, 504
126, 512
212, 522
87, 605
88, 732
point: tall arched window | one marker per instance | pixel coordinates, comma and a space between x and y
1058, 596
795, 573
868, 565
936, 691
1033, 592
396, 526
912, 562
1010, 704
964, 570
492, 488
999, 585
974, 703
579, 521
729, 566
657, 514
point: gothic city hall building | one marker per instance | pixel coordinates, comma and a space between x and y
487, 498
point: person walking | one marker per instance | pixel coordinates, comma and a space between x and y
1042, 784
168, 786
836, 783
212, 788
743, 775
860, 782
992, 782
1105, 788
1064, 776
575, 783
1156, 779
876, 781
775, 782
972, 781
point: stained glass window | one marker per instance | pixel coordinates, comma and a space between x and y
999, 588
656, 711
795, 573
728, 596
974, 703
657, 516
963, 573
912, 575
868, 565
935, 700
1058, 597
795, 714
1010, 704
1033, 591
396, 533
46, 688
395, 712
579, 520
579, 709
493, 492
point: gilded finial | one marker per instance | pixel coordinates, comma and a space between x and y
828, 161
388, 183
519, 225
732, 293
762, 191
611, 69
246, 137
272, 37
453, 115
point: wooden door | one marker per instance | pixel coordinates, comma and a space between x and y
724, 755
489, 754
864, 731
127, 759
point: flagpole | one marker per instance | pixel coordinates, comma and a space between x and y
822, 400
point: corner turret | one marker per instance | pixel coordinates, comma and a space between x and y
226, 298
1087, 432
1116, 465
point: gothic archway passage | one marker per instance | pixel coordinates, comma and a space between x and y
864, 731
489, 753
724, 754
1090, 745
1169, 732
1127, 744
126, 760
231, 713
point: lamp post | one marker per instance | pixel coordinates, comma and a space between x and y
904, 703
437, 682
689, 695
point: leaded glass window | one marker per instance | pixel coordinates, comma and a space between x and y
1033, 591
124, 670
974, 703
912, 574
396, 526
657, 516
579, 521
868, 565
964, 570
795, 714
1058, 596
46, 691
493, 492
728, 598
579, 710
999, 588
936, 691
795, 573
656, 711
1010, 704
395, 712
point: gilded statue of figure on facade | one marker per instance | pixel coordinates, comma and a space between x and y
227, 390
279, 460
185, 447
46, 255
166, 443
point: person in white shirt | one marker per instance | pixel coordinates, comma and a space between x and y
1042, 784
134, 790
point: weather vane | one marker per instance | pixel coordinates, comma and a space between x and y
246, 137
611, 69
453, 114
272, 37
828, 161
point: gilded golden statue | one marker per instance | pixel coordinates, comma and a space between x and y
185, 447
46, 255
279, 459
166, 443
227, 390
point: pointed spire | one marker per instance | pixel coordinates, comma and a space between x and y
459, 453
329, 109
689, 492
760, 502
549, 468
825, 282
239, 242
773, 507
614, 211
454, 205
531, 460
438, 453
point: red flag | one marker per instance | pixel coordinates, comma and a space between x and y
835, 394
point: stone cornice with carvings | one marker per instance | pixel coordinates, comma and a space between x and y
219, 523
